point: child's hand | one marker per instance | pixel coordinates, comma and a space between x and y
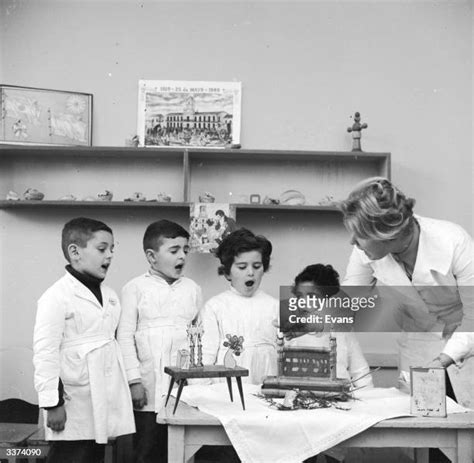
139, 398
56, 418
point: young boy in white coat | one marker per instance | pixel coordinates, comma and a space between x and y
156, 310
79, 373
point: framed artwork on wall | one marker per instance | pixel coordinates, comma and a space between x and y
45, 117
186, 113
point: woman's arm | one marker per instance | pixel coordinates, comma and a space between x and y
358, 272
461, 343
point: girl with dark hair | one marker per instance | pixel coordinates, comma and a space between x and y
243, 310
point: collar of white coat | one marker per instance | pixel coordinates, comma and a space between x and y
161, 280
435, 247
85, 293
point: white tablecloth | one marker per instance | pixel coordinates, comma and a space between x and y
263, 434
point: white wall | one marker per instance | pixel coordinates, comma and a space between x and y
305, 68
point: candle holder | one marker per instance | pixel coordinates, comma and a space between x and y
195, 333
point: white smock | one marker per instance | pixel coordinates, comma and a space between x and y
255, 319
152, 330
74, 340
433, 320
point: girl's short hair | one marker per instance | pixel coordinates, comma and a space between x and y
240, 241
377, 209
322, 276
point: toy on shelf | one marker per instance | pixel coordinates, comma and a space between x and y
292, 198
105, 196
270, 201
307, 369
356, 130
206, 197
67, 198
163, 198
136, 197
33, 194
12, 196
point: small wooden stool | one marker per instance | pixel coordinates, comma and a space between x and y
208, 371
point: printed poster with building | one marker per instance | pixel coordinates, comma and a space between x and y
191, 114
209, 224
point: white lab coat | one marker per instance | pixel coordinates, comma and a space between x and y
351, 363
445, 259
74, 340
152, 329
255, 319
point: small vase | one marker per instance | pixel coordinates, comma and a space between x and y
229, 359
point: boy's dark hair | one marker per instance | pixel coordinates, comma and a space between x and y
323, 276
79, 231
240, 241
156, 231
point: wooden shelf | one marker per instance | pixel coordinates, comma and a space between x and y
51, 152
25, 204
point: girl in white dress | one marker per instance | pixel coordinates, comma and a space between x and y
243, 310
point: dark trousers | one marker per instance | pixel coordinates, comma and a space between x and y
75, 451
150, 442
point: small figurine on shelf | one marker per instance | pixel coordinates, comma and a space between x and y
33, 194
163, 198
235, 347
270, 201
105, 196
67, 198
12, 196
356, 130
136, 197
132, 141
206, 197
292, 198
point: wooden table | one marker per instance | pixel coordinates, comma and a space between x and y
180, 376
190, 429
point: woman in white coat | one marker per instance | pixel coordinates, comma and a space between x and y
430, 263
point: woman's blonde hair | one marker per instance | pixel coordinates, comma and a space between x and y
377, 209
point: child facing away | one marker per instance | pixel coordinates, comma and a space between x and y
156, 310
243, 310
322, 281
79, 372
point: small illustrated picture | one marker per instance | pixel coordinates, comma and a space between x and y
209, 224
192, 114
41, 116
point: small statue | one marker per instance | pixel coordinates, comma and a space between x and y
195, 333
356, 130
33, 194
106, 195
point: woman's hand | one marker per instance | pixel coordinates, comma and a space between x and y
139, 398
442, 361
56, 418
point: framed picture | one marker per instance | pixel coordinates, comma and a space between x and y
183, 113
209, 224
45, 117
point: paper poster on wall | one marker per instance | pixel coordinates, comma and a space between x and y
41, 116
186, 113
209, 224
